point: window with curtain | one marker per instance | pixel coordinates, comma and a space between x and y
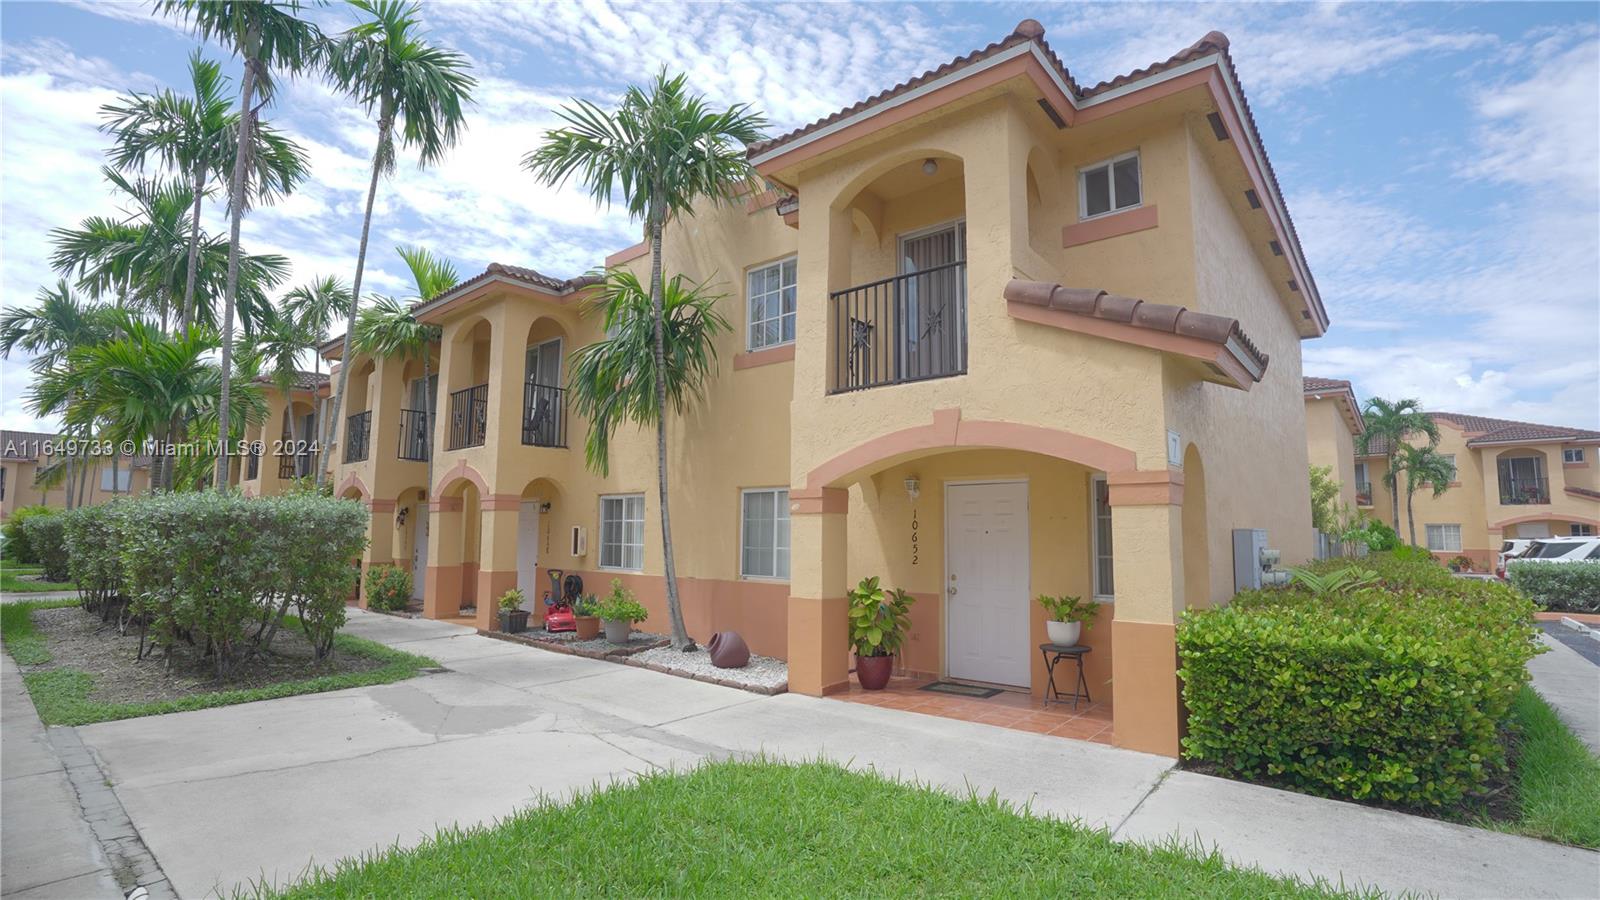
1444, 538
622, 532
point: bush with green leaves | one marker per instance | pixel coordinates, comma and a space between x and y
1393, 691
1562, 587
17, 548
94, 554
47, 540
878, 618
620, 605
389, 588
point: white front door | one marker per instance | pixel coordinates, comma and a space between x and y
986, 582
528, 553
419, 552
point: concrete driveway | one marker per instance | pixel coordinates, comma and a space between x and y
261, 791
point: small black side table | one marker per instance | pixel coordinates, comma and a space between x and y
1054, 653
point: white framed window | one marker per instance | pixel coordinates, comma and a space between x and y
1581, 530
1105, 587
770, 301
123, 476
764, 534
622, 532
1444, 538
1451, 459
1109, 186
1572, 455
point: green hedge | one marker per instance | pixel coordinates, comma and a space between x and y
17, 548
94, 553
1563, 587
47, 541
1393, 689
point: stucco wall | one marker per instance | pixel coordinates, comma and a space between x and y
21, 491
1330, 443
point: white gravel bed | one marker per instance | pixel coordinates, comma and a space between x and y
763, 672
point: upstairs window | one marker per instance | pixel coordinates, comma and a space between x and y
1572, 455
116, 482
1109, 186
771, 302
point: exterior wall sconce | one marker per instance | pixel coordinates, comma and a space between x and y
913, 487
401, 515
544, 507
930, 166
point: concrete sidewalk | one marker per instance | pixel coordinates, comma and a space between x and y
1571, 684
262, 790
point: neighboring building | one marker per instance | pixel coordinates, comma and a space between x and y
22, 461
1333, 424
287, 435
1513, 480
995, 335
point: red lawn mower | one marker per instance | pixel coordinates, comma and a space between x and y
558, 601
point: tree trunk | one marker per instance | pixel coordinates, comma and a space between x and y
186, 314
680, 635
236, 217
1391, 478
1411, 517
385, 122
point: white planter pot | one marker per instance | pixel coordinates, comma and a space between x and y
1065, 633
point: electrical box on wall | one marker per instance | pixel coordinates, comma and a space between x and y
1255, 565
580, 541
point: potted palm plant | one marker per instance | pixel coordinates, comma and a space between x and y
619, 611
878, 623
513, 618
586, 617
1067, 617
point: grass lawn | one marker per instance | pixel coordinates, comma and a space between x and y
1557, 778
62, 695
764, 829
12, 582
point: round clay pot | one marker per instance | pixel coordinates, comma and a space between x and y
873, 671
588, 627
1063, 633
617, 630
728, 650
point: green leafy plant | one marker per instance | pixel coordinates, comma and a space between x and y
47, 539
1069, 609
1562, 587
1337, 581
878, 618
17, 548
1397, 692
588, 606
621, 606
389, 588
1324, 498
1460, 564
1411, 553
512, 600
1371, 533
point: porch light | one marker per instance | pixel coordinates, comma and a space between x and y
400, 516
930, 166
913, 487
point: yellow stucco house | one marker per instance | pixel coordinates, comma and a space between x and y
1333, 425
996, 334
23, 455
286, 436
1513, 480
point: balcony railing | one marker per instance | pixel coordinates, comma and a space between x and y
469, 417
544, 415
357, 435
1363, 493
252, 469
910, 327
416, 438
293, 465
1524, 490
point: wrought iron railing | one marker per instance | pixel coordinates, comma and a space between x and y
357, 436
1363, 493
293, 465
416, 438
910, 327
544, 415
469, 417
252, 469
1524, 490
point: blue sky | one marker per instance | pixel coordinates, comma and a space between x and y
1441, 161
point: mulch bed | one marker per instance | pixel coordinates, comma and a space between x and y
79, 640
597, 648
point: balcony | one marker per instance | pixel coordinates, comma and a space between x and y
1363, 493
416, 438
544, 415
469, 417
293, 465
357, 436
1524, 490
911, 327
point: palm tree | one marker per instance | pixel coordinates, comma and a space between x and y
664, 151
1423, 465
197, 135
314, 305
392, 71
618, 380
389, 327
266, 34
1394, 422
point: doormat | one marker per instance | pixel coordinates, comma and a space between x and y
960, 690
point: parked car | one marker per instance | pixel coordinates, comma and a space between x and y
1563, 550
1509, 550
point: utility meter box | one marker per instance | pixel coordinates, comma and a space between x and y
1249, 558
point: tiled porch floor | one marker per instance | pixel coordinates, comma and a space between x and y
1007, 709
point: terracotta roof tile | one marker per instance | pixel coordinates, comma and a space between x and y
1584, 492
303, 381
1314, 384
1483, 430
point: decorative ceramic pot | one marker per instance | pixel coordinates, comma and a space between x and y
588, 627
728, 650
617, 630
514, 622
1063, 633
873, 671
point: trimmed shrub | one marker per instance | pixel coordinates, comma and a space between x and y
388, 588
1563, 587
320, 540
94, 554
1395, 691
47, 542
17, 548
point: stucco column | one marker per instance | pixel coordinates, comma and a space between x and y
441, 596
497, 556
819, 659
380, 542
1147, 563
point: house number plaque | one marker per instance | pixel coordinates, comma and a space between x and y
913, 536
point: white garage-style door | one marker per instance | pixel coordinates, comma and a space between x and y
986, 582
